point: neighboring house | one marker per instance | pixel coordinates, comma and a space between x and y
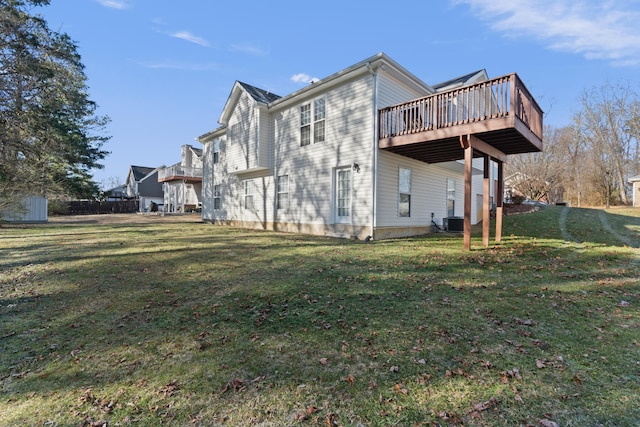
182, 182
635, 190
142, 184
369, 152
116, 194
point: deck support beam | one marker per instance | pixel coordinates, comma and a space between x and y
468, 160
470, 143
486, 196
499, 200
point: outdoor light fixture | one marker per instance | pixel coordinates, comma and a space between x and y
356, 167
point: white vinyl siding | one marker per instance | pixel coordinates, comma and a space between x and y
428, 190
248, 147
391, 91
348, 140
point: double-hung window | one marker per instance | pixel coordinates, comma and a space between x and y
283, 192
451, 197
312, 122
319, 114
404, 192
217, 201
216, 151
249, 190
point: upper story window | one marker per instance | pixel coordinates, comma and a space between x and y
312, 122
216, 151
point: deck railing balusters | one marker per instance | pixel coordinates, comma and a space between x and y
495, 98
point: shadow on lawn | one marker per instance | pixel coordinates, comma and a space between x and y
157, 302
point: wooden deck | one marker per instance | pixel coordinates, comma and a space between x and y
500, 112
180, 173
491, 119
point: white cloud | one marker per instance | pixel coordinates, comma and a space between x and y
604, 30
303, 78
186, 35
114, 4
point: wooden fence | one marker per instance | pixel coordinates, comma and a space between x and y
86, 207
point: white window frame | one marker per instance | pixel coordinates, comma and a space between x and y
404, 192
282, 192
217, 199
249, 192
216, 151
451, 197
313, 122
343, 195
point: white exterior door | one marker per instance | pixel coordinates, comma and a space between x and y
343, 196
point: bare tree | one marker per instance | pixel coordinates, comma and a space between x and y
608, 125
540, 174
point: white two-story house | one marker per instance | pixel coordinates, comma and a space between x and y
182, 182
370, 152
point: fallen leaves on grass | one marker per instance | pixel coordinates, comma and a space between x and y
303, 416
235, 385
350, 379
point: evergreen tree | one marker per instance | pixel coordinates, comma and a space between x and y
50, 135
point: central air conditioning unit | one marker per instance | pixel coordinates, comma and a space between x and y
454, 224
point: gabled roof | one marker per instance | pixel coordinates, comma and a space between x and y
380, 61
196, 151
462, 80
634, 178
139, 172
258, 94
261, 96
270, 100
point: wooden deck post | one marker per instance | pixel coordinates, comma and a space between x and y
486, 195
468, 163
499, 200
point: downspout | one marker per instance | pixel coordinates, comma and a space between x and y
374, 170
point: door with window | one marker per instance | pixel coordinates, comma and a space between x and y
343, 196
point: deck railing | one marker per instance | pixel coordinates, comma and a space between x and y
497, 98
177, 171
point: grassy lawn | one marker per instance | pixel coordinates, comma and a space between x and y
175, 322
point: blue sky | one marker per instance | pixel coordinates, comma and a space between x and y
162, 70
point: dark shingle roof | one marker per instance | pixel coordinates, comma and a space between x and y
258, 94
456, 81
140, 172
